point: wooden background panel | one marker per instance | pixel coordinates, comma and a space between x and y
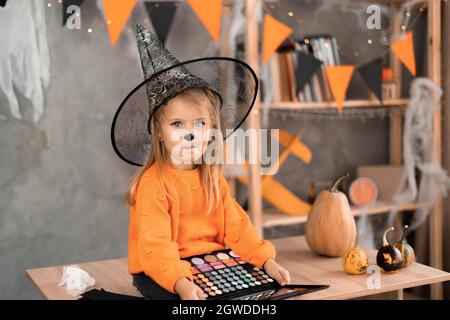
446, 134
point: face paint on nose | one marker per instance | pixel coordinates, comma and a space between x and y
189, 137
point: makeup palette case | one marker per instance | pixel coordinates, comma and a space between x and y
223, 274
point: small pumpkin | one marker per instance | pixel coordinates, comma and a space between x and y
405, 249
330, 228
389, 258
355, 261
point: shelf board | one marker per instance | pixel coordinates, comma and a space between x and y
332, 104
231, 2
273, 217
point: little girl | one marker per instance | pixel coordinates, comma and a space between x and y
180, 204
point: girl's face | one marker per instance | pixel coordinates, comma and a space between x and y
185, 125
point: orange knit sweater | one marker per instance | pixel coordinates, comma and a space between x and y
164, 229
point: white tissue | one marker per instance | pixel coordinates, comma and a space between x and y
76, 280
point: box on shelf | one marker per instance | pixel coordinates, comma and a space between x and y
387, 177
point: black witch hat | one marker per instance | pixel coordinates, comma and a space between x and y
233, 81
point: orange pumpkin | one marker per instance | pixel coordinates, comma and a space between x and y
330, 228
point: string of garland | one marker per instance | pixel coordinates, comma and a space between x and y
352, 113
404, 10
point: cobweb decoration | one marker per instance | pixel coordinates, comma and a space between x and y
24, 55
419, 151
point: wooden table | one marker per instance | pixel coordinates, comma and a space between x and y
304, 266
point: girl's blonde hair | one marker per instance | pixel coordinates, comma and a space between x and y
158, 154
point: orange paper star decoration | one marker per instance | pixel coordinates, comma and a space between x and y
274, 192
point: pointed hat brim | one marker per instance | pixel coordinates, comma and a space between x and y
234, 81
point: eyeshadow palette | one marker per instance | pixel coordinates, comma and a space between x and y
224, 274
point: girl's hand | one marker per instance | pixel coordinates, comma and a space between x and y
188, 290
277, 272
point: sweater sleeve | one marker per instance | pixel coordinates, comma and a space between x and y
157, 252
240, 234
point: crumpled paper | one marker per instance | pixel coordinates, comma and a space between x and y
76, 280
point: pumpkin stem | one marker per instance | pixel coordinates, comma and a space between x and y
405, 228
385, 243
337, 182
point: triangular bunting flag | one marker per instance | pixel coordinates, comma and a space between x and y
116, 14
210, 14
161, 14
307, 65
371, 74
273, 35
404, 50
339, 78
66, 4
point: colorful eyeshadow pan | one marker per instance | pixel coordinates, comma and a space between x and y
222, 256
195, 270
197, 261
233, 254
205, 269
210, 258
225, 275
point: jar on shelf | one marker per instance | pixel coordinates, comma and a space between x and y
390, 87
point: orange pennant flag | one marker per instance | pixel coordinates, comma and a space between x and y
404, 50
273, 35
116, 14
339, 78
210, 14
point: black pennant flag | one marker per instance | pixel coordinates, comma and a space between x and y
161, 14
65, 5
307, 65
371, 74
3, 3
